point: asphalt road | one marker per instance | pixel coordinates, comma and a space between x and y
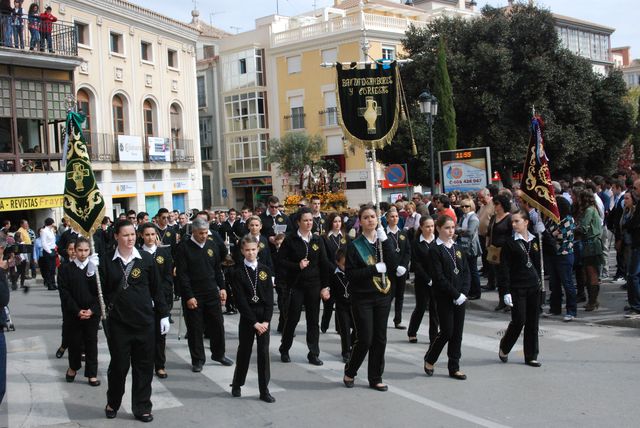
589, 378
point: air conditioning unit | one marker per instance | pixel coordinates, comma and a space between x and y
179, 155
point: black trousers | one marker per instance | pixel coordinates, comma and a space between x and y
451, 318
83, 335
49, 268
65, 325
327, 312
344, 319
310, 298
160, 358
370, 317
130, 347
398, 283
283, 304
523, 314
424, 300
246, 334
207, 316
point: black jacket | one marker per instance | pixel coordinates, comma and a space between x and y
332, 244
445, 282
138, 304
198, 270
360, 274
293, 250
320, 225
513, 264
77, 291
268, 223
68, 236
4, 297
401, 242
163, 259
339, 288
250, 311
421, 262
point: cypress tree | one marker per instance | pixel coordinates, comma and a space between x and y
446, 111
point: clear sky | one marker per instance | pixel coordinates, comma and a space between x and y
240, 15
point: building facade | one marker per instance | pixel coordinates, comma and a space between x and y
630, 67
586, 39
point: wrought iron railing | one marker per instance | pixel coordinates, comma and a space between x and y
33, 34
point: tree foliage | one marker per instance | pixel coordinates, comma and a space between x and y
294, 151
501, 65
446, 127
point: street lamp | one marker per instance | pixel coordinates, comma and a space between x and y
429, 107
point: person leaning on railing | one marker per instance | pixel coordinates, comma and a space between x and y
46, 25
34, 26
17, 24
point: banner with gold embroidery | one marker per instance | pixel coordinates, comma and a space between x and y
369, 103
83, 203
536, 186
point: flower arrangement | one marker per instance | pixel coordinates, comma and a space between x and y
329, 200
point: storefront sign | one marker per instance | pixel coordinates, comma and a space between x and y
125, 188
159, 149
129, 148
465, 170
30, 203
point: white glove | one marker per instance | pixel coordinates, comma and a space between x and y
507, 300
401, 271
381, 267
164, 326
381, 235
93, 258
430, 283
273, 281
460, 300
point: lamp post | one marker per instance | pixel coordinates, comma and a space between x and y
429, 107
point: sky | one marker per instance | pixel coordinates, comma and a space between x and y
239, 15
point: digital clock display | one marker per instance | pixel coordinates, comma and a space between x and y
464, 155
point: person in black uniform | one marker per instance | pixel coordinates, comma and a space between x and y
338, 289
252, 281
203, 293
319, 219
64, 344
67, 237
371, 296
254, 224
164, 262
130, 282
167, 235
304, 259
334, 239
274, 222
282, 289
423, 283
520, 267
402, 247
79, 293
451, 283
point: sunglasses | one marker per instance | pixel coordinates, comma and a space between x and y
465, 206
273, 206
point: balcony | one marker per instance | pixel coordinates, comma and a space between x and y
29, 47
294, 121
329, 117
157, 150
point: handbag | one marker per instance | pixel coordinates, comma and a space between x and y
493, 252
592, 247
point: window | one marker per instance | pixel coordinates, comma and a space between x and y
294, 64
245, 111
115, 43
243, 66
335, 145
388, 52
146, 51
297, 112
202, 93
206, 139
260, 80
330, 55
84, 107
82, 30
247, 153
175, 114
331, 112
117, 105
147, 117
172, 58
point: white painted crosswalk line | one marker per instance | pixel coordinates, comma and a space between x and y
34, 394
221, 375
549, 331
161, 397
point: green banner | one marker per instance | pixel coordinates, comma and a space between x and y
369, 103
83, 203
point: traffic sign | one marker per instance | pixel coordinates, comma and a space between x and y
395, 173
224, 193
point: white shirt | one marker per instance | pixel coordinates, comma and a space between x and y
530, 237
337, 234
150, 250
600, 207
305, 239
413, 221
80, 264
252, 265
134, 255
48, 239
447, 244
422, 238
197, 243
394, 231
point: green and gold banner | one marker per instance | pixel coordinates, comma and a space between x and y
83, 203
369, 103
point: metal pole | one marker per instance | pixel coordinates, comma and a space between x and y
541, 261
103, 316
433, 173
376, 202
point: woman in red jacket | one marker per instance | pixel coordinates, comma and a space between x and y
46, 25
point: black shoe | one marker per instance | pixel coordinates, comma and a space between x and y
196, 368
581, 299
110, 413
487, 288
70, 378
399, 326
224, 361
348, 383
503, 358
235, 391
458, 375
413, 339
284, 357
428, 372
500, 307
379, 387
313, 359
323, 330
267, 398
94, 382
60, 352
533, 363
144, 418
162, 373
473, 297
